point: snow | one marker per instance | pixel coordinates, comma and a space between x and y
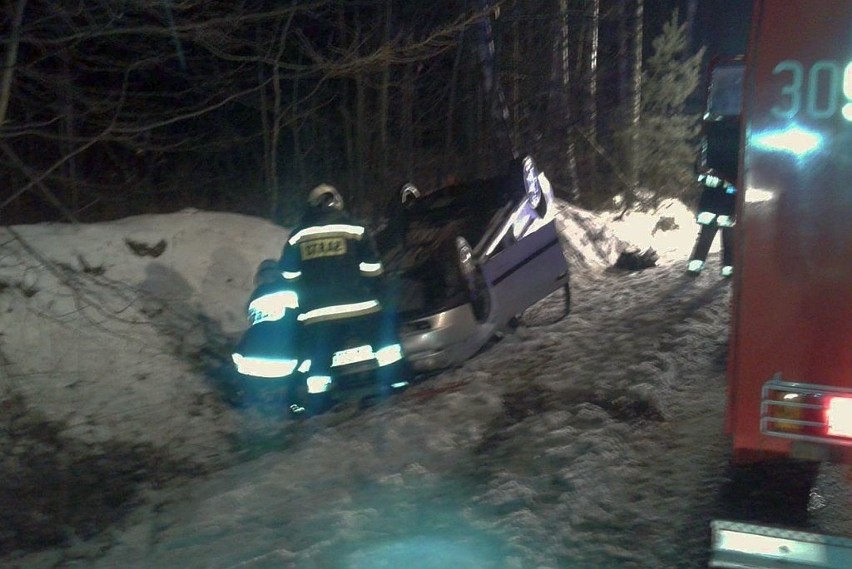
593, 440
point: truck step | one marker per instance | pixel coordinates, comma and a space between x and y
737, 545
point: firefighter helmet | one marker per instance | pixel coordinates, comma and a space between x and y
325, 196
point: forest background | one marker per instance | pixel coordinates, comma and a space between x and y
110, 108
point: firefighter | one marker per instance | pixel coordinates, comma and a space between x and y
716, 211
332, 263
265, 358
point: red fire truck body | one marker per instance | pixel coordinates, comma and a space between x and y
790, 352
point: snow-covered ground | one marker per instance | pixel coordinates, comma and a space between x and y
589, 441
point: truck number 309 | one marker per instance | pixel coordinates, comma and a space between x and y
816, 90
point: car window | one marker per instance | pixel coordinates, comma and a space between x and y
726, 91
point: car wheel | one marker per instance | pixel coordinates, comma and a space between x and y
480, 300
474, 282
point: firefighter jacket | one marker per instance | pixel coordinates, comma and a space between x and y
720, 200
333, 267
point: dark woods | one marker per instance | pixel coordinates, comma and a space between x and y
111, 108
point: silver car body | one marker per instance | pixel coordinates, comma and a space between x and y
517, 258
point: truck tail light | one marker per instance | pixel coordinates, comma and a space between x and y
803, 411
838, 414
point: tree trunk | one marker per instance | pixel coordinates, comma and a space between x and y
493, 87
691, 10
565, 96
451, 103
70, 132
295, 132
11, 59
361, 135
514, 109
623, 57
362, 126
636, 107
265, 114
406, 120
274, 139
592, 99
383, 103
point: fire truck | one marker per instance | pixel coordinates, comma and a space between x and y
789, 384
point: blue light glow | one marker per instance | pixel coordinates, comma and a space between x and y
793, 139
428, 552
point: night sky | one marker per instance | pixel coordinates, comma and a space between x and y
723, 26
720, 25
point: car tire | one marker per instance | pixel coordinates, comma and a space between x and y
480, 299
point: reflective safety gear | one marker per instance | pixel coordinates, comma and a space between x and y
716, 211
318, 383
725, 221
334, 265
328, 232
272, 306
339, 329
389, 354
352, 356
371, 269
719, 198
339, 311
325, 196
264, 367
710, 180
383, 356
705, 217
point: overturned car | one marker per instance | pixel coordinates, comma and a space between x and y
468, 258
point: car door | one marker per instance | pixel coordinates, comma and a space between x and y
523, 262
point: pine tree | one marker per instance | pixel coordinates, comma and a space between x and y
666, 133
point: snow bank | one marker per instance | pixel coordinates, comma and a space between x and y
597, 239
105, 326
